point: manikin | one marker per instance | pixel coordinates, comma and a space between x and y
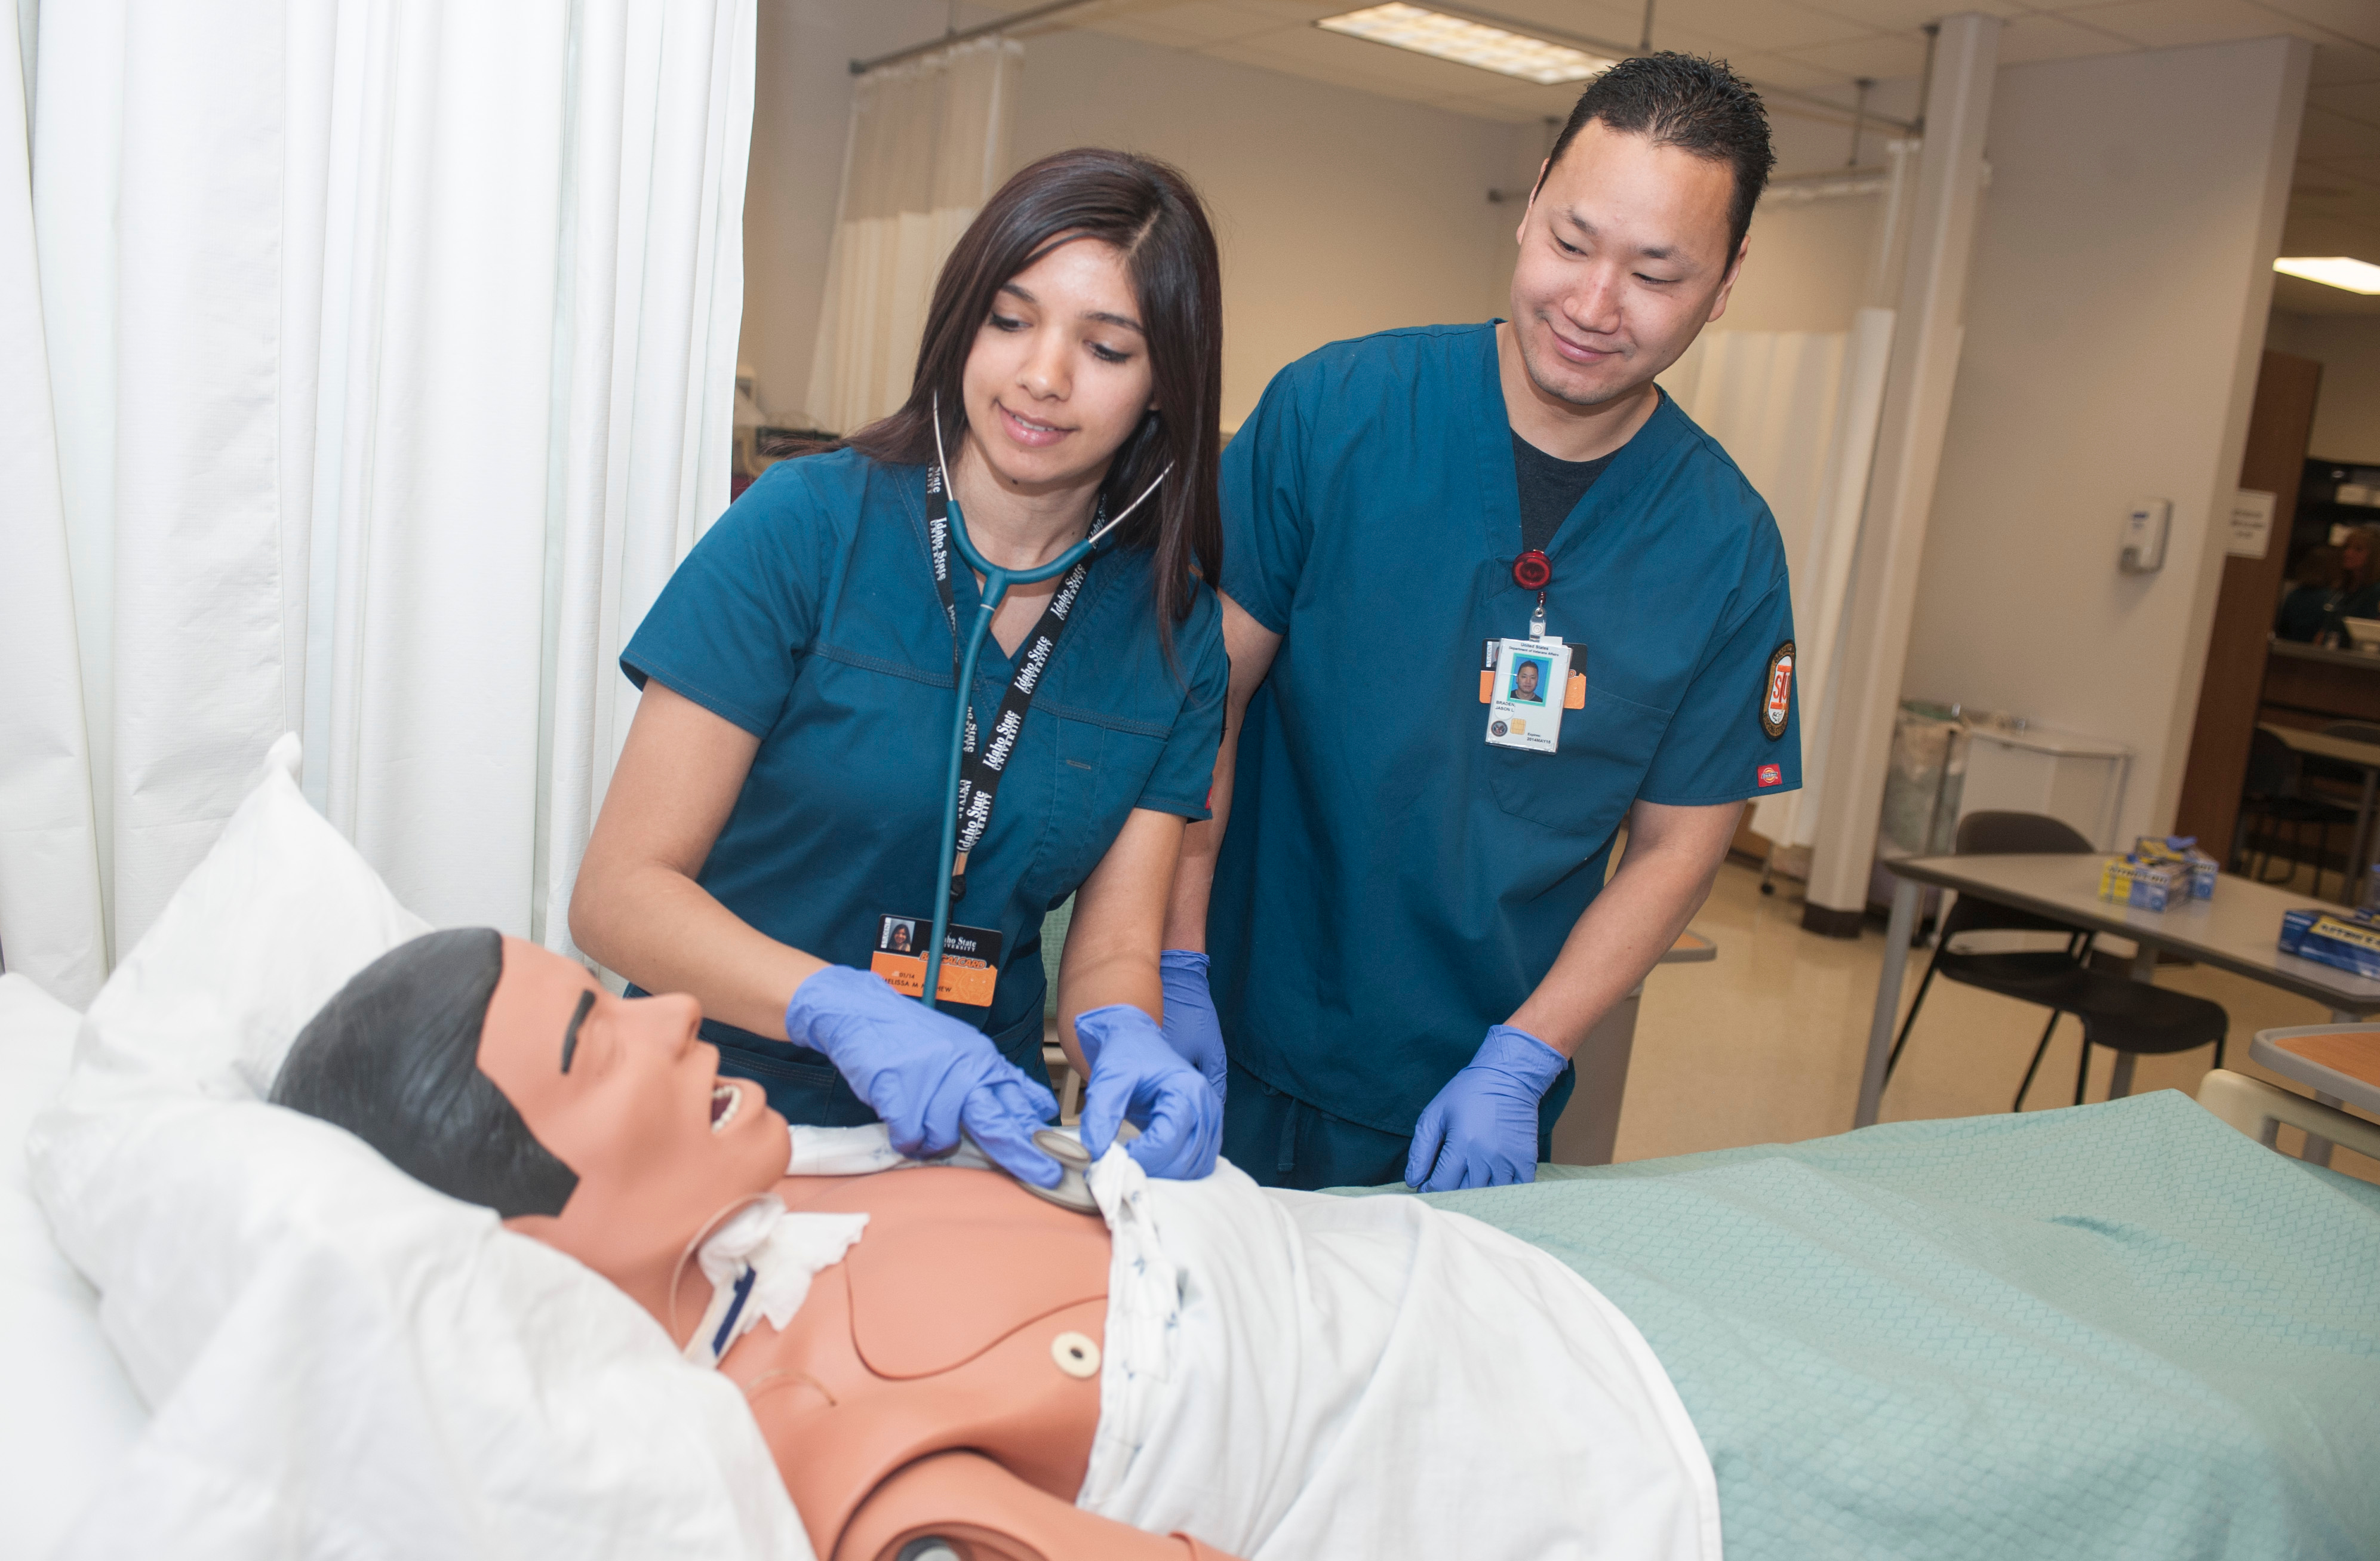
897, 1404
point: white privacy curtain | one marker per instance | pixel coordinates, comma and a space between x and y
365, 368
1798, 411
928, 146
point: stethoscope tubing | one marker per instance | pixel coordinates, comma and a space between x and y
996, 583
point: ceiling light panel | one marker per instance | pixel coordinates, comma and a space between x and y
2332, 271
1468, 42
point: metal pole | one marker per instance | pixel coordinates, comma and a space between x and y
984, 30
1888, 1000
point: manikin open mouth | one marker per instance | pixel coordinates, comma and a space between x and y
726, 1101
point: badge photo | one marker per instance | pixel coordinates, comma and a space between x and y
970, 970
1777, 693
1523, 712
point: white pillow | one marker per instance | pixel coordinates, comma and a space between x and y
267, 927
68, 1413
341, 1360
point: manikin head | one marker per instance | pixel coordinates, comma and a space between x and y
1634, 235
503, 1074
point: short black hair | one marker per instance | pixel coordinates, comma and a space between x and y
1695, 104
393, 1057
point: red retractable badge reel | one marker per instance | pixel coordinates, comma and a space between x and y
1531, 572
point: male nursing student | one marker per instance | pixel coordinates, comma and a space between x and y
1418, 831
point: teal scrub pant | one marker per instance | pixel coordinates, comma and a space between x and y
1282, 1141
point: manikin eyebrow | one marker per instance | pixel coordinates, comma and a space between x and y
1100, 315
570, 1031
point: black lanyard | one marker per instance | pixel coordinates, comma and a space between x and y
979, 773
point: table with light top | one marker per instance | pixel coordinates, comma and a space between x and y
2239, 930
2347, 751
2342, 1067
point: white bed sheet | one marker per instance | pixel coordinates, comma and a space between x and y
68, 1413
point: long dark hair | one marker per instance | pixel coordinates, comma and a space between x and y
1150, 213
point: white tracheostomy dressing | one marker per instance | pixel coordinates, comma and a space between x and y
1290, 1375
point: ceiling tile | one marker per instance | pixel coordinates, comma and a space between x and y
1353, 61
2027, 39
2326, 136
1748, 25
2295, 295
1618, 24
1203, 22
1794, 75
2337, 63
1880, 55
2356, 19
1908, 16
2358, 100
2174, 24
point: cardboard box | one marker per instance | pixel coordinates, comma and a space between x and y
2348, 941
2146, 886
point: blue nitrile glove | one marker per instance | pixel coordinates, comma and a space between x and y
1481, 1131
1136, 1075
1191, 1028
926, 1073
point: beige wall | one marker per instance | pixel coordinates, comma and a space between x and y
801, 115
2346, 417
1809, 264
1337, 213
2115, 311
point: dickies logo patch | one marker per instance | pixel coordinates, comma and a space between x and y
1772, 775
1777, 699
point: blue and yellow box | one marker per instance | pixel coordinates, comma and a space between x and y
2200, 868
2145, 886
2348, 941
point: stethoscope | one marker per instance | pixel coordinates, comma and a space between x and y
996, 582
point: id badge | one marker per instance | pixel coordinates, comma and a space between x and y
970, 959
1528, 689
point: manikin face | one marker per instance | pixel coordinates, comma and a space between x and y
1624, 257
1058, 375
619, 1090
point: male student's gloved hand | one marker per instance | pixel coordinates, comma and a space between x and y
1137, 1076
1481, 1131
927, 1074
1191, 1028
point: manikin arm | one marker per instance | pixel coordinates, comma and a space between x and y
984, 1513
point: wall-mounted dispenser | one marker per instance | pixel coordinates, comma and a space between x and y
2146, 525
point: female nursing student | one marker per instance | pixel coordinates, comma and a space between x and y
776, 812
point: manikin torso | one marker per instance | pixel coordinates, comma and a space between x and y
938, 1334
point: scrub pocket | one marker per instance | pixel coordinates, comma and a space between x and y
1100, 773
1584, 788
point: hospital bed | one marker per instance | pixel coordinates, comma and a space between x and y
1869, 1217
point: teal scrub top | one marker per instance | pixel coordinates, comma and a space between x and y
808, 616
1390, 885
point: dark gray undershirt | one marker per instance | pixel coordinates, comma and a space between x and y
1550, 488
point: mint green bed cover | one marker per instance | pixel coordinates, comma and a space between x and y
2118, 1330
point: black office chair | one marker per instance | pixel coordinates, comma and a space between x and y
2124, 1015
2275, 794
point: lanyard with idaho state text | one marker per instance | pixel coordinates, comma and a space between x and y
980, 772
